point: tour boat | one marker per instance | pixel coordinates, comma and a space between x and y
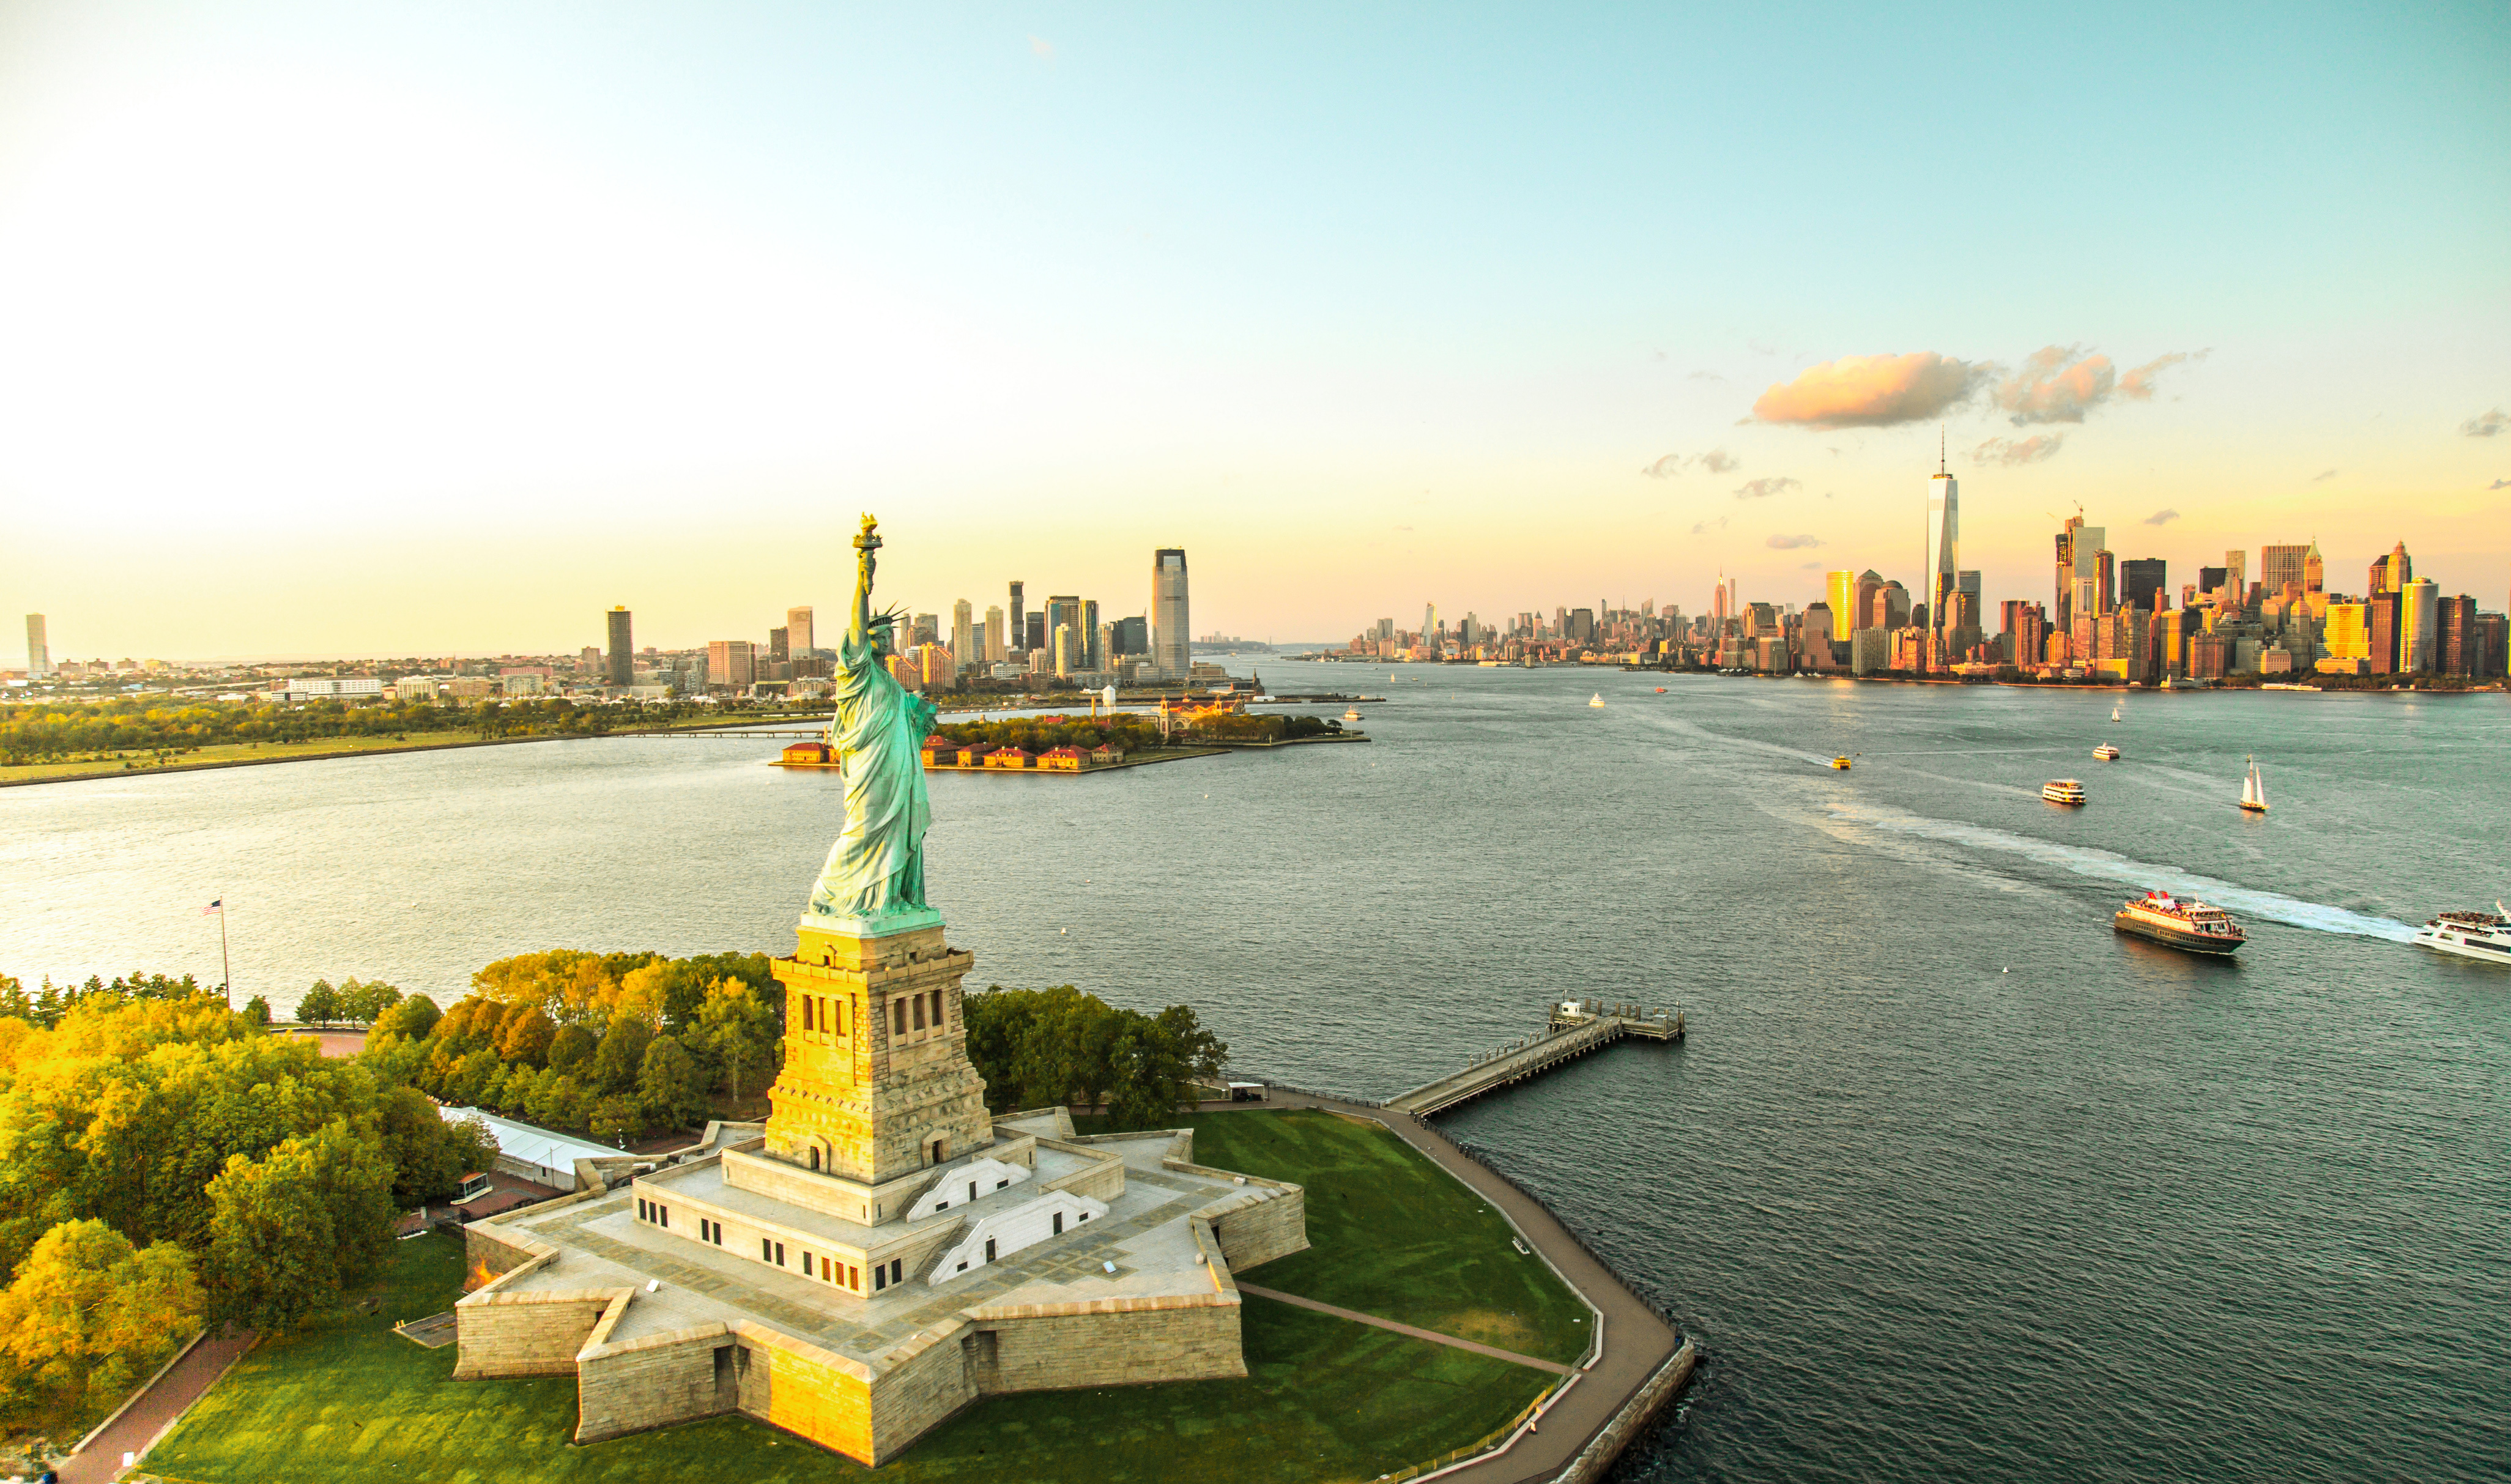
1840, 763
2190, 925
2484, 935
2253, 790
2107, 753
1351, 715
2062, 791
1596, 700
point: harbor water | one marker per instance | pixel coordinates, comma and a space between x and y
1950, 1181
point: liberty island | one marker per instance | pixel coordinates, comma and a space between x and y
880, 1253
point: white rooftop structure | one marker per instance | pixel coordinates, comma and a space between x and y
534, 1153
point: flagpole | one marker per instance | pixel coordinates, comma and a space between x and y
226, 975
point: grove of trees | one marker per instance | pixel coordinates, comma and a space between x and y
615, 1046
1039, 1047
166, 1163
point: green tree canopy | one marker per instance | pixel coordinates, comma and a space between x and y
298, 1226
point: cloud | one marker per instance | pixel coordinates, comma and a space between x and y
2010, 451
1872, 391
2488, 425
1716, 461
1044, 48
1704, 375
1764, 489
1705, 526
2138, 385
2323, 475
1792, 543
2500, 483
2162, 518
2061, 383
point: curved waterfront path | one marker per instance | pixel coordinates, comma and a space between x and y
1638, 1344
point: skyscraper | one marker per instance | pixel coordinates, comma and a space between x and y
2084, 601
1944, 546
2314, 569
2147, 583
39, 650
2236, 575
2280, 568
1171, 654
1093, 643
1842, 604
963, 633
997, 638
622, 650
1020, 621
2064, 608
798, 639
2391, 573
2419, 626
731, 662
1720, 606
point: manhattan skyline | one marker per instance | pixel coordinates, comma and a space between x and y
429, 329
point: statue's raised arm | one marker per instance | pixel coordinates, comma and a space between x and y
874, 879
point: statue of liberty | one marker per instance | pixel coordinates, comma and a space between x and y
875, 881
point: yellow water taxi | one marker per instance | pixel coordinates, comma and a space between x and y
1840, 763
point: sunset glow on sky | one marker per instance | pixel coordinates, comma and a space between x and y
415, 329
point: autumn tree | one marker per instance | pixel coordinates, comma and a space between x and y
89, 1315
319, 1005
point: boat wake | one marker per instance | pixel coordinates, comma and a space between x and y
2085, 860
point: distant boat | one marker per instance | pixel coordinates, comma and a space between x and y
2115, 708
2062, 791
2106, 752
1596, 700
1840, 763
1351, 716
1660, 691
2253, 790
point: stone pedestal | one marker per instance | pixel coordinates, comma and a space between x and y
876, 1083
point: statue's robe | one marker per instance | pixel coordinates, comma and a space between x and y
876, 868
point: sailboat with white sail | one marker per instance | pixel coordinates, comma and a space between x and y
2115, 708
2253, 790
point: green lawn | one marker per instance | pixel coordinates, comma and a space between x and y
1326, 1399
1391, 1234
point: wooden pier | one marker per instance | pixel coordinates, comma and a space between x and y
1572, 1029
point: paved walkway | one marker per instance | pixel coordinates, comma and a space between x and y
1637, 1343
1431, 1335
169, 1398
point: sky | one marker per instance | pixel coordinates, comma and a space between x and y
407, 329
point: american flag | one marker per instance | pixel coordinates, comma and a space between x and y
214, 909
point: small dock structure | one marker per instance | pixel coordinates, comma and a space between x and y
1572, 1027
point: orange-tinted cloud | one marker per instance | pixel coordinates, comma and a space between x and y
1764, 489
1872, 391
1792, 543
2010, 451
2060, 383
2485, 426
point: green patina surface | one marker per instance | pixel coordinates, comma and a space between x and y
1324, 1398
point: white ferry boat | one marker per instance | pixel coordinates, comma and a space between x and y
2062, 791
1598, 699
2191, 925
1353, 715
2483, 935
2106, 752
